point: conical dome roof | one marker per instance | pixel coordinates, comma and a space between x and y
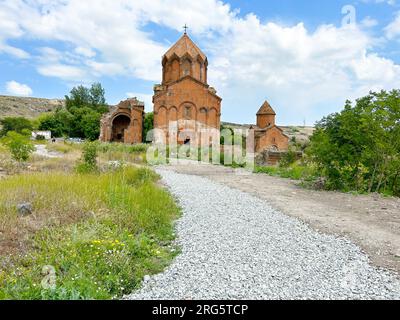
185, 46
266, 109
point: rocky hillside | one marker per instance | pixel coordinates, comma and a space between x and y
26, 107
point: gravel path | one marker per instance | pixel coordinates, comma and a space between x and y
235, 246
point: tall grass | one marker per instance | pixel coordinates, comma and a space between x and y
295, 171
63, 147
101, 233
123, 152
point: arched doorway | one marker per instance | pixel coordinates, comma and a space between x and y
119, 125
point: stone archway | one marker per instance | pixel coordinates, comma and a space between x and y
119, 125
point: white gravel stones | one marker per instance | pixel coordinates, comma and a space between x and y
42, 151
235, 246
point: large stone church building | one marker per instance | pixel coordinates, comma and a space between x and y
185, 106
186, 109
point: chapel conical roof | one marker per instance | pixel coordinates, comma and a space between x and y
266, 109
185, 46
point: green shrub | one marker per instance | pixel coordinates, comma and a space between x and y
288, 158
19, 146
358, 149
88, 162
16, 124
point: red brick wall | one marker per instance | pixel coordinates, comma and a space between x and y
186, 99
264, 121
270, 138
133, 133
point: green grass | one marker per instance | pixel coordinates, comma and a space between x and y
120, 147
294, 171
63, 147
123, 152
101, 233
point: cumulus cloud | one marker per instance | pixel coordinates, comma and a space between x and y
18, 89
302, 73
10, 29
369, 22
61, 71
389, 2
393, 29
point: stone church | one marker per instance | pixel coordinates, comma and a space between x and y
186, 109
267, 135
185, 106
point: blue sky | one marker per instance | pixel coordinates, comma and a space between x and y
306, 57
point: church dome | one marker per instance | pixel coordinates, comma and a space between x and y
185, 47
266, 109
184, 59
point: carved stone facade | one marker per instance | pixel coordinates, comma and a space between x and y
268, 136
185, 106
124, 123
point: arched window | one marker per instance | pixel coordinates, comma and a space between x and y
188, 112
186, 66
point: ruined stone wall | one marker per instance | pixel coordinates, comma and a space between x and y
113, 128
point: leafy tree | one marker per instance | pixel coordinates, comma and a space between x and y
78, 97
19, 145
59, 122
17, 124
81, 116
90, 125
148, 125
97, 95
93, 98
359, 148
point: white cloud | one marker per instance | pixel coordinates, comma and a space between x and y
86, 52
369, 22
146, 98
389, 2
18, 89
61, 71
9, 28
303, 74
393, 29
112, 28
16, 52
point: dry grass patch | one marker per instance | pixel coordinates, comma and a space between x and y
101, 233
